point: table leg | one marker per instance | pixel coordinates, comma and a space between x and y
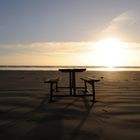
70, 83
74, 83
93, 90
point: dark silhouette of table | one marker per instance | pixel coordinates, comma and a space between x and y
72, 78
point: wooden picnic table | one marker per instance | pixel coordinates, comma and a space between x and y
72, 78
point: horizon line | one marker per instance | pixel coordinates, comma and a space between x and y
97, 66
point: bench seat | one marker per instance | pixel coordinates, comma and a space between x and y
53, 86
91, 81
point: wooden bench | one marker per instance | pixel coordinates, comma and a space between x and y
53, 86
91, 81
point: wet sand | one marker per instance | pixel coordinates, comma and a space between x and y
26, 114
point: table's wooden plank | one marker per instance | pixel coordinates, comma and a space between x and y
72, 70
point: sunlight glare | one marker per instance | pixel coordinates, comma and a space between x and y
111, 51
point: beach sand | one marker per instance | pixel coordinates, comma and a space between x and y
26, 114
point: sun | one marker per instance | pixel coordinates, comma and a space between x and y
111, 51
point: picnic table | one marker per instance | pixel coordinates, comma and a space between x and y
72, 78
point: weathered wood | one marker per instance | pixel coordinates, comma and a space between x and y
52, 82
72, 78
91, 81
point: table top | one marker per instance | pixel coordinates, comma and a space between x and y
72, 70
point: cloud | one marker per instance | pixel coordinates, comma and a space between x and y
45, 53
57, 53
118, 22
46, 48
54, 49
124, 25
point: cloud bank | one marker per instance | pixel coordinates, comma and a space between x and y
124, 26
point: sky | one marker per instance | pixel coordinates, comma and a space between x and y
70, 32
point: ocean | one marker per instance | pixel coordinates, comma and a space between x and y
55, 68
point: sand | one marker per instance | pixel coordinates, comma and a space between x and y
26, 114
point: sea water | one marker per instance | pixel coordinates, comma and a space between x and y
55, 68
